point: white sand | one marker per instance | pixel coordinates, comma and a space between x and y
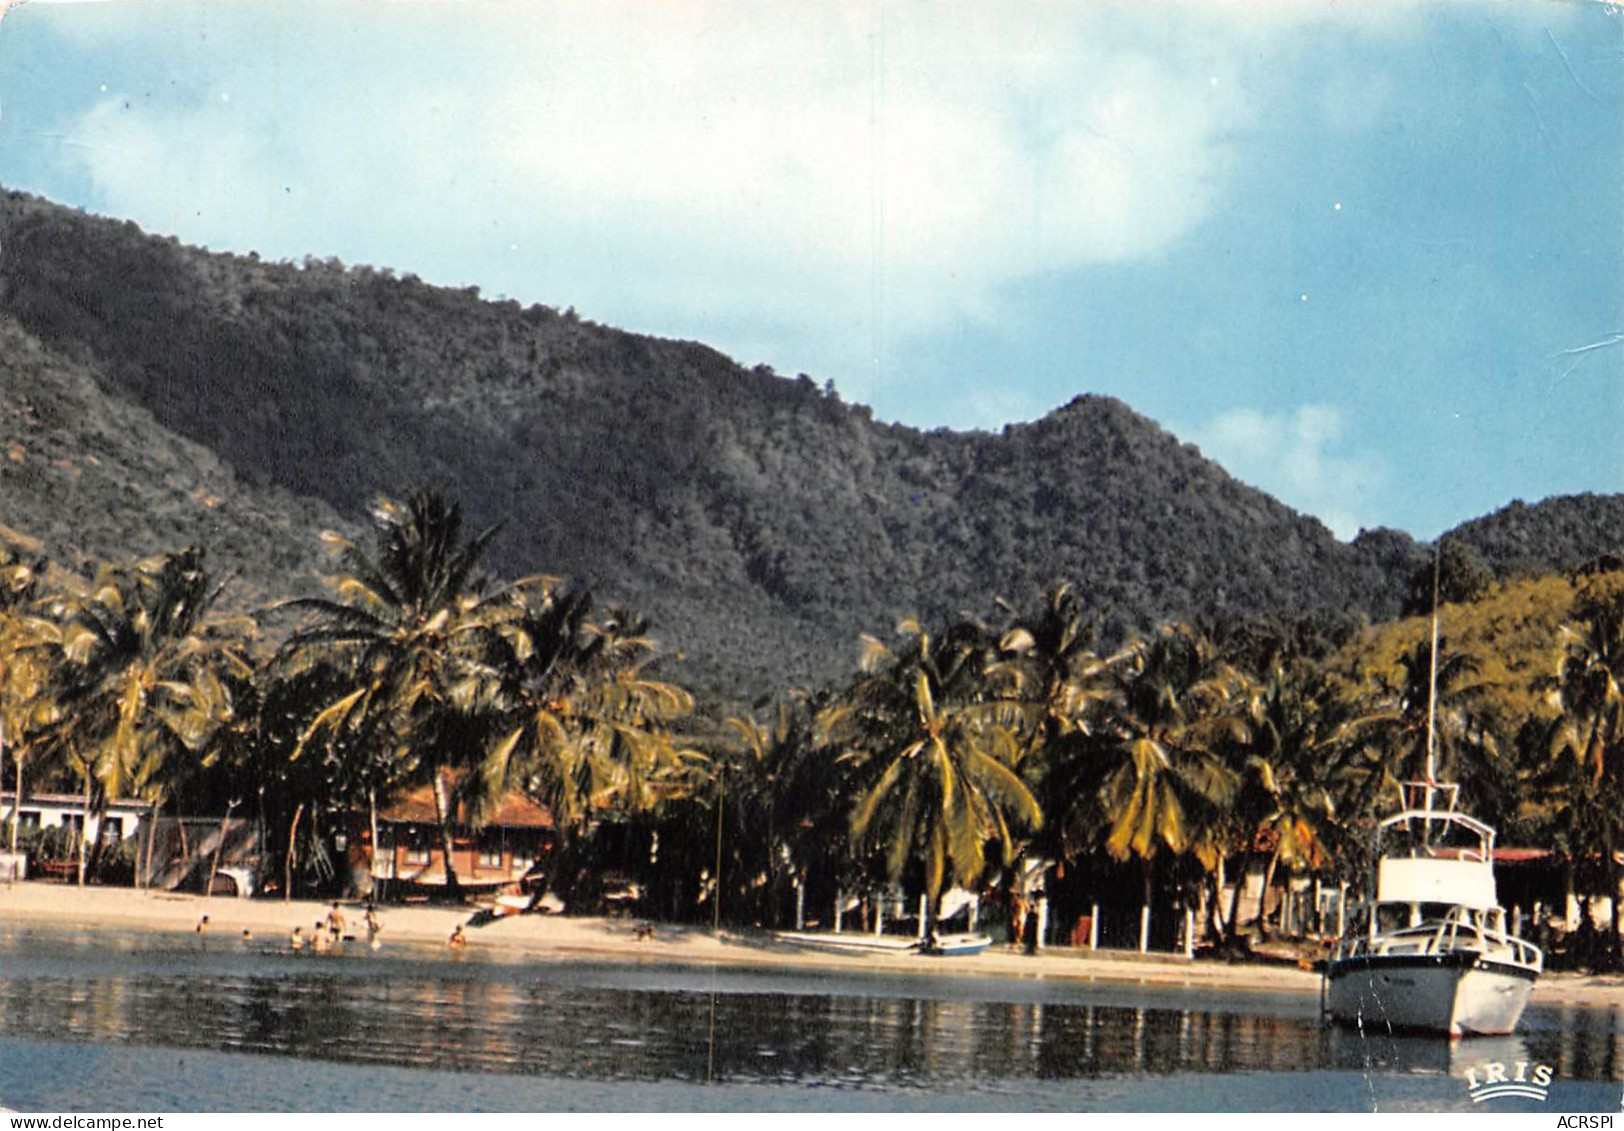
539, 936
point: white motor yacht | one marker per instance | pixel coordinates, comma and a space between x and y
1432, 952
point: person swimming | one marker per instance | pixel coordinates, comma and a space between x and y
457, 939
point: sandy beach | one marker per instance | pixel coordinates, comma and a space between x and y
529, 937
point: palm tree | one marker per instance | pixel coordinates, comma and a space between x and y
934, 764
1408, 715
1301, 728
1174, 705
1048, 663
30, 646
587, 730
1058, 688
146, 679
1590, 684
1582, 770
1154, 779
410, 631
788, 819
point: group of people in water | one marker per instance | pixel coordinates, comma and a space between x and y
332, 932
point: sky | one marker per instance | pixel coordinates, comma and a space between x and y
1368, 256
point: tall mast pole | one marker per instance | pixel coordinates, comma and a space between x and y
1432, 679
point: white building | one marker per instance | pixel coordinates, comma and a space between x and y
65, 810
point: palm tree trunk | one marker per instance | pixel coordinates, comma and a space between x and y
97, 845
372, 847
1215, 896
287, 865
1146, 863
144, 879
1263, 897
17, 800
219, 845
1232, 928
84, 825
453, 889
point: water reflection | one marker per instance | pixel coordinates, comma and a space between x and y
572, 1022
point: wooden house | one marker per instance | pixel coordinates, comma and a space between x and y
503, 850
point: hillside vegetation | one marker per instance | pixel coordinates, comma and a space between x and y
759, 521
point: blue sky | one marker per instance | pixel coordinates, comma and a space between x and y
1370, 257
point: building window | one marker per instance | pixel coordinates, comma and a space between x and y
28, 820
490, 857
416, 854
115, 830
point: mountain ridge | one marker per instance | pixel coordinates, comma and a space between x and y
761, 522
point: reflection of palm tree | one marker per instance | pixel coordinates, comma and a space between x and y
934, 769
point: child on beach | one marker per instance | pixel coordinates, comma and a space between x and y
296, 940
373, 926
202, 927
457, 939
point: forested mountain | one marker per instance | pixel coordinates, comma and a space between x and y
1561, 533
152, 394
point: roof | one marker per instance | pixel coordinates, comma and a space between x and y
75, 802
1521, 855
516, 811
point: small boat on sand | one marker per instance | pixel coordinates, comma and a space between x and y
853, 943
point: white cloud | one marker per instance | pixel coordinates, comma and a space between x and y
1298, 457
842, 175
902, 162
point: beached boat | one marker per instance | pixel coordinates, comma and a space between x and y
959, 944
1432, 952
854, 943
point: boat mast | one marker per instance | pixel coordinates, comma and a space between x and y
1432, 681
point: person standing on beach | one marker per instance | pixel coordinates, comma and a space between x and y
457, 939
373, 926
321, 939
335, 923
202, 927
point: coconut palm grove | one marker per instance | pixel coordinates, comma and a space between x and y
967, 754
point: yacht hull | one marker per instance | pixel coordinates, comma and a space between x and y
1459, 993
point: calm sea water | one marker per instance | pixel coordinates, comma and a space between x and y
137, 1022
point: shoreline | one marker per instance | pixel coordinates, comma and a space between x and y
529, 937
